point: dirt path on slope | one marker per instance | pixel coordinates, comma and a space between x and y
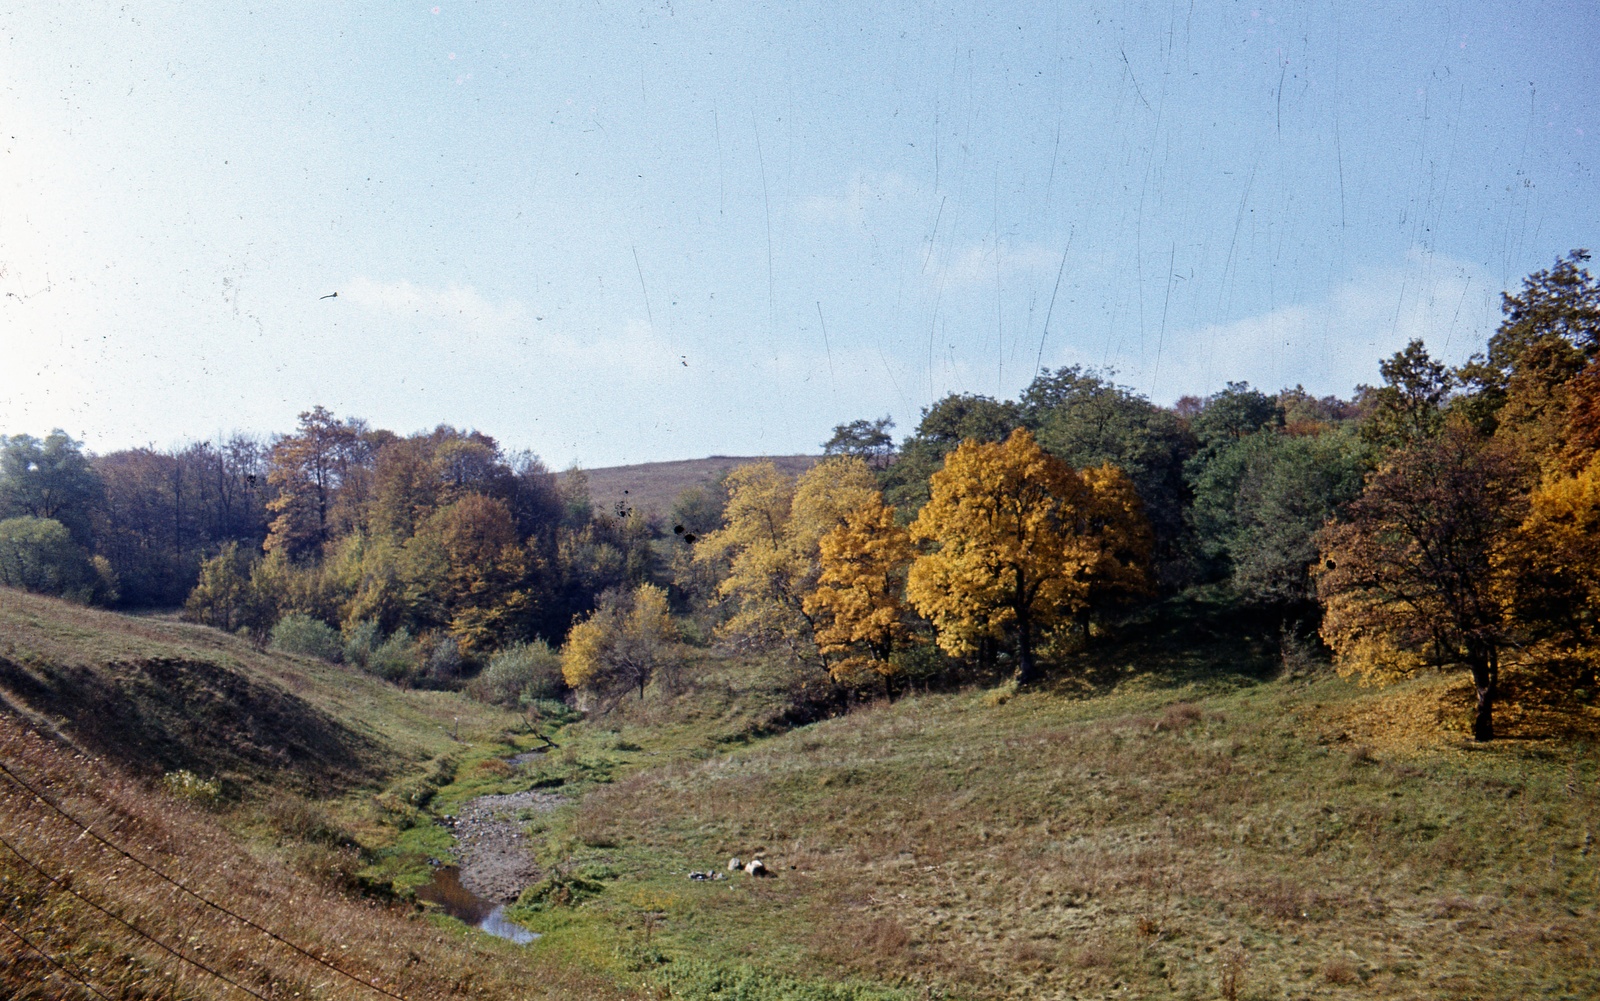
496, 858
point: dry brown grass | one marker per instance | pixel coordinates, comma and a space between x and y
1341, 972
386, 944
1436, 711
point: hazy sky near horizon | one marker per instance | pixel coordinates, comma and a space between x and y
616, 234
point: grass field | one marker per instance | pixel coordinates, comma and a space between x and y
1138, 842
1172, 816
1176, 818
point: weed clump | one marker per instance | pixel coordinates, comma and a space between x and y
303, 820
1341, 972
186, 785
1179, 716
495, 767
1231, 972
559, 890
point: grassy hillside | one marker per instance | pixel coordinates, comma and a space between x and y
1173, 816
654, 486
156, 695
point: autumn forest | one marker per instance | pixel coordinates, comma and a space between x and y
1445, 518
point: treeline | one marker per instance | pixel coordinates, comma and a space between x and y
438, 534
1446, 517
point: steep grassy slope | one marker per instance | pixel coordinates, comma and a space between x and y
78, 920
156, 695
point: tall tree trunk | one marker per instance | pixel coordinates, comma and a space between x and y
1025, 669
1485, 676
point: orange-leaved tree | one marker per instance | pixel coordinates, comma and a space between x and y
1115, 518
306, 469
465, 570
859, 604
1022, 541
1421, 570
1581, 436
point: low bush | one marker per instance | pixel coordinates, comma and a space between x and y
444, 664
520, 675
300, 633
395, 658
360, 639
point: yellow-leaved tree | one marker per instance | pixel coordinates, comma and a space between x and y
859, 604
1023, 542
769, 543
623, 644
1555, 558
1125, 543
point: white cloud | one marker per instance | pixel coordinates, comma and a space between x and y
977, 264
863, 193
454, 303
1332, 344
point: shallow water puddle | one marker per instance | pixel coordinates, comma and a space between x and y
445, 889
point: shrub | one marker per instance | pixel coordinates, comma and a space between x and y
443, 666
519, 675
360, 640
39, 555
225, 596
395, 658
300, 633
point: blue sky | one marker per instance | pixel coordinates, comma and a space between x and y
616, 234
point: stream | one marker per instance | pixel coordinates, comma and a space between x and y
496, 861
445, 889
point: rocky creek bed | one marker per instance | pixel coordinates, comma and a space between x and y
495, 858
494, 862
